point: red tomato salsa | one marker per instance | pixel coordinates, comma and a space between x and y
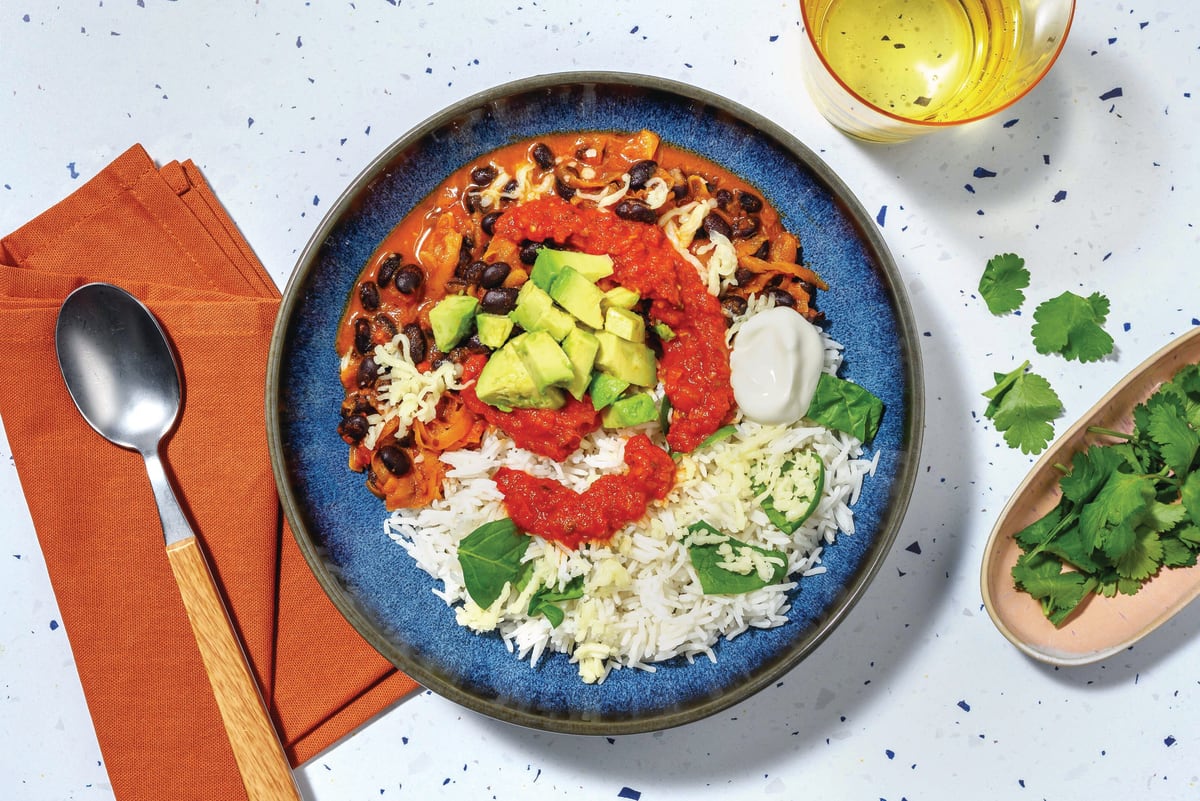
545, 507
694, 368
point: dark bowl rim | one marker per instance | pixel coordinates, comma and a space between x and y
889, 524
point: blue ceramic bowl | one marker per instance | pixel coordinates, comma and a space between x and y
339, 524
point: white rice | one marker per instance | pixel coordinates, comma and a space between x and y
643, 602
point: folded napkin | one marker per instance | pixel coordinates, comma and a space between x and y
162, 235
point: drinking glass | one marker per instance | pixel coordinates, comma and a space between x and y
890, 70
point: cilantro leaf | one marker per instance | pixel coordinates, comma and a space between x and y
1168, 427
1071, 325
1002, 281
1060, 592
545, 601
1022, 406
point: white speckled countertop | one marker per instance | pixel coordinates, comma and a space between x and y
1093, 179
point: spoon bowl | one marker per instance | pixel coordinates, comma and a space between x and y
121, 372
118, 366
1100, 627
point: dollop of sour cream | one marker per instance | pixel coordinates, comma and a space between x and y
776, 362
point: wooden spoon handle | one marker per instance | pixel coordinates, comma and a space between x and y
256, 747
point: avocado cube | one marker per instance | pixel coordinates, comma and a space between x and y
621, 297
625, 324
549, 262
630, 411
546, 362
628, 361
493, 329
579, 296
580, 347
532, 304
664, 331
506, 384
451, 319
557, 323
604, 389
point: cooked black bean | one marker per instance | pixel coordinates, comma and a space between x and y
745, 228
733, 305
470, 202
500, 300
564, 191
724, 196
361, 405
529, 251
680, 191
387, 270
764, 250
715, 222
482, 176
362, 335
471, 272
512, 185
542, 155
781, 297
368, 372
436, 358
368, 293
416, 342
641, 172
409, 278
386, 325
354, 427
742, 275
464, 249
635, 211
750, 203
396, 460
488, 223
494, 274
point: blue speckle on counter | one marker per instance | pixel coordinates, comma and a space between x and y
54, 625
71, 170
1111, 93
1011, 123
879, 218
1169, 741
1059, 196
774, 37
914, 548
298, 42
890, 753
316, 200
983, 172
964, 706
634, 29
629, 792
969, 188
249, 121
1127, 326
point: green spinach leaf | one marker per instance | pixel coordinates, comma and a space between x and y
491, 557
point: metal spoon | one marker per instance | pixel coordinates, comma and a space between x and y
121, 372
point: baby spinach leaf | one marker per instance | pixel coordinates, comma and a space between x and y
845, 406
715, 549
491, 557
545, 601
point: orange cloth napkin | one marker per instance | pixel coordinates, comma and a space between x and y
162, 235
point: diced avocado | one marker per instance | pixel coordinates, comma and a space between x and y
621, 297
625, 323
604, 389
506, 384
580, 347
532, 304
664, 331
549, 262
451, 319
631, 411
628, 361
579, 296
535, 311
557, 323
546, 362
493, 329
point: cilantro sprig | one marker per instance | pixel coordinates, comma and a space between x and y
1129, 508
1022, 405
1072, 325
1002, 281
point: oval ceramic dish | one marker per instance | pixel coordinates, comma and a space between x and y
1101, 627
339, 524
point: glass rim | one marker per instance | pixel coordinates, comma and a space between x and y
935, 124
